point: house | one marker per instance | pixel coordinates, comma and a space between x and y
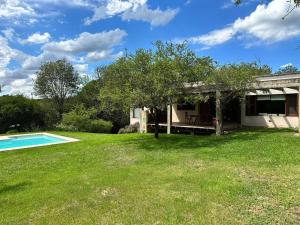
272, 101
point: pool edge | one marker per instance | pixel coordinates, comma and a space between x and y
67, 140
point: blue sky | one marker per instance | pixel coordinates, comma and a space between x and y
94, 32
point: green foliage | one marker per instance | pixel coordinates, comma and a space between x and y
132, 128
151, 78
51, 116
287, 70
88, 95
235, 79
81, 119
57, 80
18, 112
14, 131
98, 126
232, 81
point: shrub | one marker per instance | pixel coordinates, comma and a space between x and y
80, 119
51, 115
12, 132
133, 128
99, 126
21, 113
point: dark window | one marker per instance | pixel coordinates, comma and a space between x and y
136, 113
274, 104
186, 106
271, 104
292, 105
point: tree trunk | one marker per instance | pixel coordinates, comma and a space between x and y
60, 108
156, 122
219, 114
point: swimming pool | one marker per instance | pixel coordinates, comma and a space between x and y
14, 142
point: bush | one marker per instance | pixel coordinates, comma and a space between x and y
133, 128
99, 126
21, 113
51, 115
80, 119
12, 132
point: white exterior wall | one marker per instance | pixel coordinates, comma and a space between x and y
132, 119
271, 121
178, 116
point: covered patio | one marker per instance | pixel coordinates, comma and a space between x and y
271, 101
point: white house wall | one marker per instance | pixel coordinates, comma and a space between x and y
271, 121
178, 116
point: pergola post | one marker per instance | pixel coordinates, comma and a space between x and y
219, 116
243, 109
169, 118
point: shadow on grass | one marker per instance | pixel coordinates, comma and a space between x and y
14, 187
186, 142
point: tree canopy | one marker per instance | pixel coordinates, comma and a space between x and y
287, 70
57, 80
158, 77
232, 81
152, 78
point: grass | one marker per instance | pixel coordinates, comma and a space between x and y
248, 177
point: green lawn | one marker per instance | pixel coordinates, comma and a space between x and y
249, 177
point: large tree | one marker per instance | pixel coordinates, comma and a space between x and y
56, 81
232, 81
287, 70
152, 78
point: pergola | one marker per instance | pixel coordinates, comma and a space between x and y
266, 85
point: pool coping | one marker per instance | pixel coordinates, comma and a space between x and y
66, 140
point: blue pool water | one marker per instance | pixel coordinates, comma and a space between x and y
23, 141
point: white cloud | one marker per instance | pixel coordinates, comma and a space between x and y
215, 37
264, 25
87, 42
81, 68
36, 38
7, 54
132, 10
29, 11
156, 17
286, 65
13, 79
19, 12
111, 8
80, 51
15, 8
9, 33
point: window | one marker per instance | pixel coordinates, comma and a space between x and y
292, 105
136, 113
270, 104
186, 106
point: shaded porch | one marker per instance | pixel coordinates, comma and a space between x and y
199, 117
